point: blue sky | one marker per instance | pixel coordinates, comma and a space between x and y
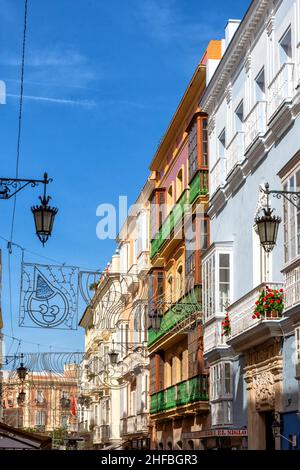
102, 80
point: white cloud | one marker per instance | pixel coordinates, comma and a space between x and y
83, 103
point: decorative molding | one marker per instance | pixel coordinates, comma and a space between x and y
211, 124
247, 62
228, 93
270, 22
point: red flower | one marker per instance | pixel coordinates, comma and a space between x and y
253, 316
279, 301
281, 290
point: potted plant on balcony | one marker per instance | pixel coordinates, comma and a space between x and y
269, 304
226, 326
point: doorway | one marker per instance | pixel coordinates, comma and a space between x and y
270, 440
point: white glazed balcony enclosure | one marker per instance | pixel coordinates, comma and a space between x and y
235, 151
255, 123
281, 88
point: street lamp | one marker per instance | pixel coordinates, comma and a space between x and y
268, 224
113, 356
44, 215
22, 371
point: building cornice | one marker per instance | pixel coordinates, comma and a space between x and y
233, 54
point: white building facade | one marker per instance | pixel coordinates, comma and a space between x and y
253, 103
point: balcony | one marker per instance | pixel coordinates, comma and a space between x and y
292, 285
218, 175
235, 151
169, 224
281, 88
213, 339
198, 185
142, 422
184, 393
132, 279
247, 332
255, 123
173, 316
104, 432
143, 263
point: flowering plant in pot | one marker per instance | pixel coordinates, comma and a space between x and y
226, 326
269, 304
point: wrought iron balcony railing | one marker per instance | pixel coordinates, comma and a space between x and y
183, 393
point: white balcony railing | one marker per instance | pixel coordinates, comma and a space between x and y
142, 422
281, 88
218, 174
255, 122
241, 311
213, 337
235, 151
143, 262
292, 285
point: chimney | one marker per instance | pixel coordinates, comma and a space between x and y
230, 29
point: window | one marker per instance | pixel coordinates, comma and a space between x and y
239, 117
291, 219
170, 289
40, 396
65, 394
222, 143
179, 281
217, 282
179, 184
193, 150
157, 210
285, 47
170, 197
204, 143
260, 86
156, 287
224, 281
221, 380
41, 418
221, 413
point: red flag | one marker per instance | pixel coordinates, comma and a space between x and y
74, 410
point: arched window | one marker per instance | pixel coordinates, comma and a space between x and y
170, 289
170, 197
169, 446
179, 287
191, 445
180, 367
160, 446
179, 183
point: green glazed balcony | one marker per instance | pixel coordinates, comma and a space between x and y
169, 224
172, 316
197, 188
184, 393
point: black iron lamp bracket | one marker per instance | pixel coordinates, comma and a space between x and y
291, 196
11, 186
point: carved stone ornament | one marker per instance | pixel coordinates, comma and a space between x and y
263, 385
